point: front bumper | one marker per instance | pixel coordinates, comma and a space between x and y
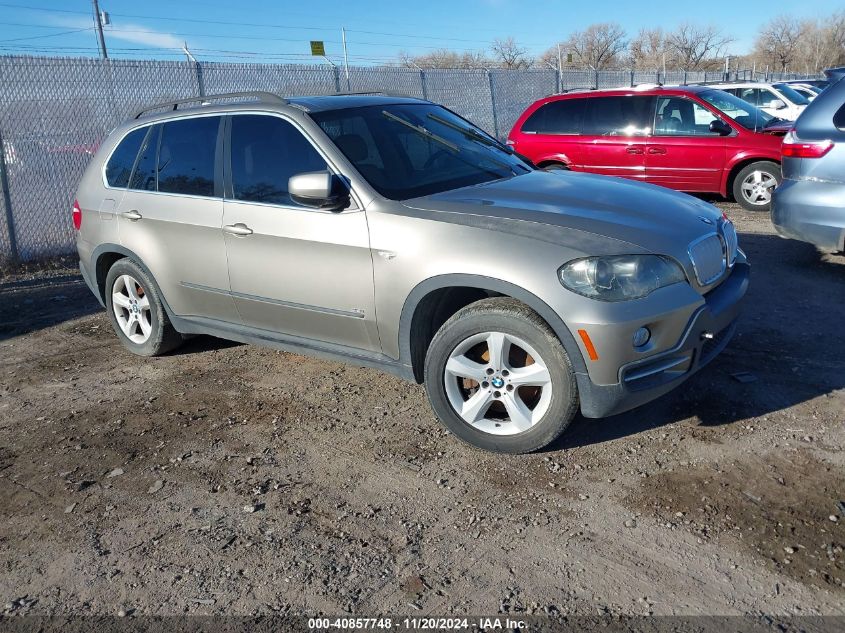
811, 211
707, 333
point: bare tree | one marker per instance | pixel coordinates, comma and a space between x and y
509, 54
778, 42
599, 46
444, 58
648, 49
697, 47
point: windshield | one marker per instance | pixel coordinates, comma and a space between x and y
748, 116
791, 94
410, 150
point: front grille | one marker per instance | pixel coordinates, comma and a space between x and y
731, 241
708, 258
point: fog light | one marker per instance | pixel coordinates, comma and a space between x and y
641, 337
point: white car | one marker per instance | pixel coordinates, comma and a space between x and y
779, 100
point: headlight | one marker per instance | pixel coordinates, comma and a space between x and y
620, 277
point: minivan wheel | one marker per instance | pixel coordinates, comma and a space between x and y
498, 378
555, 167
754, 184
136, 311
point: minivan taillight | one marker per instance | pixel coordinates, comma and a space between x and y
77, 215
793, 148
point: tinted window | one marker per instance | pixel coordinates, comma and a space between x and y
410, 150
618, 116
839, 118
119, 167
186, 156
677, 116
557, 117
144, 176
266, 152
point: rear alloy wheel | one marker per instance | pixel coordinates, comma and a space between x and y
137, 312
131, 307
499, 379
754, 184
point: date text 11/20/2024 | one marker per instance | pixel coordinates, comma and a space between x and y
416, 624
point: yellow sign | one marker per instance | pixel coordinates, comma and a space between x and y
318, 48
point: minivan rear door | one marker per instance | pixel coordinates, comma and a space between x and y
683, 153
552, 134
616, 130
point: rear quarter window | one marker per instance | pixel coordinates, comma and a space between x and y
119, 167
564, 116
839, 118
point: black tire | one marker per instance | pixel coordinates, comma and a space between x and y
163, 336
511, 317
767, 167
555, 167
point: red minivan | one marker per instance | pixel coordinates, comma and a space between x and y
689, 138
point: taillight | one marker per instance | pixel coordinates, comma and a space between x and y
77, 215
793, 148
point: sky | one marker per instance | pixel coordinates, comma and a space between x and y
377, 31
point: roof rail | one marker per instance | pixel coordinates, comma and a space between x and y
267, 97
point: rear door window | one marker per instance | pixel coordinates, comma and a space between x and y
144, 176
564, 116
122, 160
619, 116
265, 152
186, 156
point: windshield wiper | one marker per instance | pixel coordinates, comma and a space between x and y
424, 131
472, 134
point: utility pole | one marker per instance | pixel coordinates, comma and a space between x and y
98, 21
345, 56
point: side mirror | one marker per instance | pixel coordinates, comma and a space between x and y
717, 126
776, 104
319, 190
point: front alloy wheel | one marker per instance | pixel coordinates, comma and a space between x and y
754, 184
498, 377
498, 383
757, 187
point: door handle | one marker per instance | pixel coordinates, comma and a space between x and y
634, 150
240, 229
656, 150
133, 215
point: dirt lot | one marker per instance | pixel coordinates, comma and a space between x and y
125, 482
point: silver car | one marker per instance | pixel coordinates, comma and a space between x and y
808, 205
392, 233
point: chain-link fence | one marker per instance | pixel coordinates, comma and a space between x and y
55, 111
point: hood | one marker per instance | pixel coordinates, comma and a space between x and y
656, 219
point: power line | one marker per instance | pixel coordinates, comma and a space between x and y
36, 37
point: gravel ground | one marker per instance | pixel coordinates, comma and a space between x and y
233, 479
